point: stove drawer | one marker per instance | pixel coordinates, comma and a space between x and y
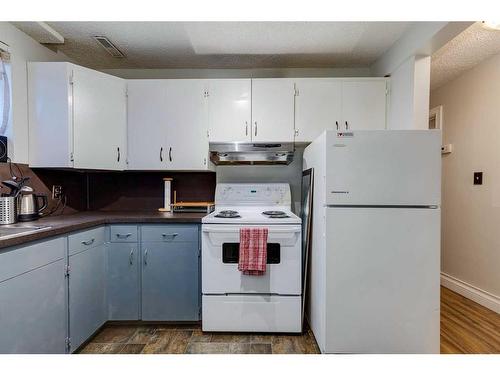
251, 313
219, 259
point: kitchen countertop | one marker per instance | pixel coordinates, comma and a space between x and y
68, 223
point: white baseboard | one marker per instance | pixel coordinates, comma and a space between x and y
488, 300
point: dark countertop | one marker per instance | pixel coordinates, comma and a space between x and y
68, 223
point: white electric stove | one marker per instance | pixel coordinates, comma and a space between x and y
246, 303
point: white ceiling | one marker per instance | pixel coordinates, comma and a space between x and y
462, 53
229, 44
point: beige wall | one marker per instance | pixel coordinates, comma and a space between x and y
471, 213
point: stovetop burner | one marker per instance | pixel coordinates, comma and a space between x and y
275, 214
228, 214
272, 213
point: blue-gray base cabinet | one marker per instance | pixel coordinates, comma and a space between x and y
33, 309
170, 272
87, 285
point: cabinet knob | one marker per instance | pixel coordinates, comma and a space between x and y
161, 153
337, 124
346, 126
146, 257
256, 128
131, 257
170, 154
118, 154
246, 127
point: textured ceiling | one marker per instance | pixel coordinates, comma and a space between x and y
230, 44
465, 51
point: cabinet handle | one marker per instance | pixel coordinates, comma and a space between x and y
131, 257
146, 257
123, 235
255, 128
118, 157
161, 153
337, 124
346, 126
89, 242
169, 234
246, 127
170, 154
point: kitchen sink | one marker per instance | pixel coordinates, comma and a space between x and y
16, 230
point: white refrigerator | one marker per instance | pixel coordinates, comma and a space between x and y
375, 241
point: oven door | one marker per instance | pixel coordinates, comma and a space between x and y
220, 255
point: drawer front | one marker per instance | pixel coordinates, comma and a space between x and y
123, 233
21, 259
170, 233
86, 239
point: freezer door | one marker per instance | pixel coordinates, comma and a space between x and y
386, 167
382, 274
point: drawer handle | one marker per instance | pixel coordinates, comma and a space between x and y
146, 257
170, 234
89, 242
123, 235
131, 257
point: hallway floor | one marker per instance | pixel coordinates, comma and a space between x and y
466, 327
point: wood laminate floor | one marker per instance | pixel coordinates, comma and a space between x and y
466, 327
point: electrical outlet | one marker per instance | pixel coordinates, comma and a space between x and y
57, 191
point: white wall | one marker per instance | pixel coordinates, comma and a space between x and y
238, 73
471, 213
410, 85
22, 49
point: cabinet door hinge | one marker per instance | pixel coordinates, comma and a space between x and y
71, 157
126, 92
296, 132
68, 343
205, 94
67, 271
295, 92
71, 80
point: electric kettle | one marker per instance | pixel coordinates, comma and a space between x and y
29, 207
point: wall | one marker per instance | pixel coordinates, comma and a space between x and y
471, 213
22, 49
238, 73
291, 174
410, 82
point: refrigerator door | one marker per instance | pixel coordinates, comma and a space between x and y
386, 167
382, 277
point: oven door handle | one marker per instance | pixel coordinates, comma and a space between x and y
271, 231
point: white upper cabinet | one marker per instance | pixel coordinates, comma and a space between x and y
318, 107
99, 120
186, 124
147, 124
272, 110
50, 114
229, 110
364, 104
77, 117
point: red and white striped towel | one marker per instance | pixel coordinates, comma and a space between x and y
253, 251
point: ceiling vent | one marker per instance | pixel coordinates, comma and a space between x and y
108, 46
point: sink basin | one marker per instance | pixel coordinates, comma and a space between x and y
16, 230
